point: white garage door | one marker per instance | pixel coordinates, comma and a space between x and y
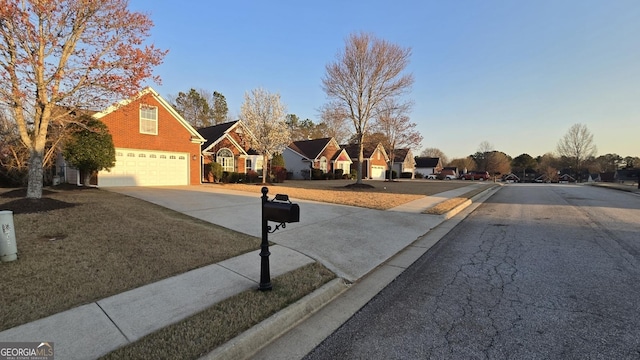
146, 168
377, 172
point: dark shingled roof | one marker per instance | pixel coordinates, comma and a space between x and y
310, 148
352, 150
427, 162
213, 133
400, 154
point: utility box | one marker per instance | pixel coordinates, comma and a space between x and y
8, 249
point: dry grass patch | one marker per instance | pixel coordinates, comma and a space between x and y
380, 196
76, 246
203, 332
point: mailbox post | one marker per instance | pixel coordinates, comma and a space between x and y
280, 210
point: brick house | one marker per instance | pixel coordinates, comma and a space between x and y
229, 144
324, 154
375, 160
154, 145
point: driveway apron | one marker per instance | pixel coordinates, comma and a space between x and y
350, 241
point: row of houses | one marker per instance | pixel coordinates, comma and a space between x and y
155, 146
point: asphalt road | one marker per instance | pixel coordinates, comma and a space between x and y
536, 272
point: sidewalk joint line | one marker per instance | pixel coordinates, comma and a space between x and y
114, 323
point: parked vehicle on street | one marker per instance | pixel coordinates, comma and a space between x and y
475, 175
447, 174
431, 176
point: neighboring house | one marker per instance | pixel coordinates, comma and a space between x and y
404, 162
428, 165
154, 145
594, 178
511, 178
565, 179
375, 160
229, 144
608, 176
627, 176
324, 154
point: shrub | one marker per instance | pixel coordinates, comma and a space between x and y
230, 177
216, 171
279, 174
406, 175
337, 173
419, 175
328, 176
251, 176
316, 174
353, 174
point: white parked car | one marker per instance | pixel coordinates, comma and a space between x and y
432, 177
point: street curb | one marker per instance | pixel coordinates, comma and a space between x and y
455, 211
251, 341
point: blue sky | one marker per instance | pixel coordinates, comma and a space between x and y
516, 74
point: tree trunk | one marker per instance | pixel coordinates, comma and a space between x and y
36, 174
265, 162
360, 158
86, 181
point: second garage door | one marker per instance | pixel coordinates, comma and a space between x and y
146, 168
377, 172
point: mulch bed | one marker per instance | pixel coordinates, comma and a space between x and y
22, 205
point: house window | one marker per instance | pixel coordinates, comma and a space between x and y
163, 156
172, 157
142, 155
152, 156
131, 155
323, 164
248, 164
118, 154
224, 157
181, 158
148, 120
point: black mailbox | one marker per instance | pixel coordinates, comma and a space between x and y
282, 212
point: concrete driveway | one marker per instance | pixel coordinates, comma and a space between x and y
348, 240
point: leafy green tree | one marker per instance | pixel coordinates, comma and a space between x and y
220, 110
277, 160
523, 164
194, 108
90, 148
631, 162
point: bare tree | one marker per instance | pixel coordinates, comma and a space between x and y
394, 123
577, 145
463, 164
264, 115
334, 119
435, 153
365, 73
68, 55
548, 166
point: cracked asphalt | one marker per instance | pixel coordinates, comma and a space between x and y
537, 272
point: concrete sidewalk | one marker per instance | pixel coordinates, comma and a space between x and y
326, 233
